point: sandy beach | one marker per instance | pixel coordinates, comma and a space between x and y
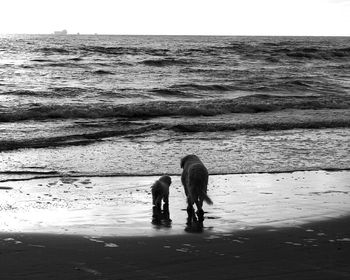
318, 250
261, 226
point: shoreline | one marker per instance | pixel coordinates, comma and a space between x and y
54, 174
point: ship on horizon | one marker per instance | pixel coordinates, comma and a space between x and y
62, 32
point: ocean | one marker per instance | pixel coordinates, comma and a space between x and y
82, 105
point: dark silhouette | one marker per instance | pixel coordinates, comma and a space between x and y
160, 191
194, 178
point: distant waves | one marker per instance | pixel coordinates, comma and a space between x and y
165, 67
286, 49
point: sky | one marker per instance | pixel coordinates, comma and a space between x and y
177, 17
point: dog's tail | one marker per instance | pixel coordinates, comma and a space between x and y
206, 198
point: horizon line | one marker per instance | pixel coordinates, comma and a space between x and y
172, 35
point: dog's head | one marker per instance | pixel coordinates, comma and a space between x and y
187, 158
165, 179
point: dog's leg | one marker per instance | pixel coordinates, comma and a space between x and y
158, 202
190, 211
200, 212
190, 214
166, 202
166, 216
156, 216
153, 197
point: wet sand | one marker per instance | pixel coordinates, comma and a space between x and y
261, 226
318, 250
121, 206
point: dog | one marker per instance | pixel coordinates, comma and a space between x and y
194, 178
160, 191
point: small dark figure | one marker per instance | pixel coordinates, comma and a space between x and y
160, 191
195, 181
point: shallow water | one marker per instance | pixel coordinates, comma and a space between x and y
160, 153
121, 206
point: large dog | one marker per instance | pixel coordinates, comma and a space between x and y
194, 178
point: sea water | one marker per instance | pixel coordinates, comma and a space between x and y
134, 105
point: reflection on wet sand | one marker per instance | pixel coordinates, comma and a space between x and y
194, 226
121, 206
161, 218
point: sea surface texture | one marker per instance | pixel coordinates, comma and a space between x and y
134, 105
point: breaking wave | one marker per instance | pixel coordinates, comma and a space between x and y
265, 126
165, 62
75, 139
79, 93
53, 92
247, 104
209, 87
273, 51
170, 92
103, 72
85, 132
52, 50
124, 50
314, 53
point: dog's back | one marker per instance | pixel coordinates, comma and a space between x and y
195, 178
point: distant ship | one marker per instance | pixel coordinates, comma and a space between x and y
63, 32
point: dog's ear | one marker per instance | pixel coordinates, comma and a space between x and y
183, 160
